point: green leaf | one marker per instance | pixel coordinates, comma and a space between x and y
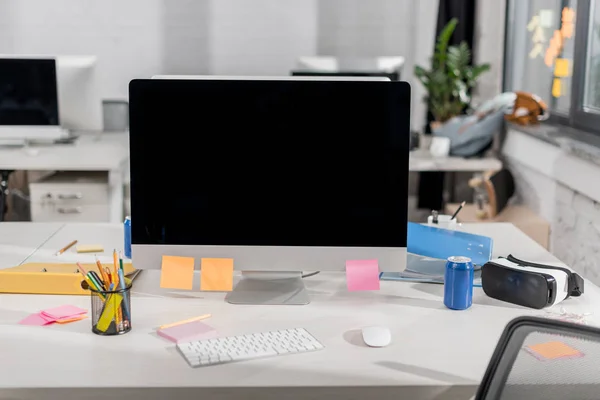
441, 47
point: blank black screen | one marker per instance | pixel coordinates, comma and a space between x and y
272, 163
28, 93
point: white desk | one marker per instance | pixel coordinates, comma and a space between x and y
421, 160
106, 152
436, 353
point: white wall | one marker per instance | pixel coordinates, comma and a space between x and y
261, 37
140, 38
125, 35
560, 188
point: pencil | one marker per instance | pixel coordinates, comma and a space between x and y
458, 210
185, 321
102, 272
67, 247
116, 267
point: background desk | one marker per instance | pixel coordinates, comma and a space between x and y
436, 353
421, 161
108, 152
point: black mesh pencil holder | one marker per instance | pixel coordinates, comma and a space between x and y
111, 311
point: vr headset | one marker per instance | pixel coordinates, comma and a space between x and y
529, 284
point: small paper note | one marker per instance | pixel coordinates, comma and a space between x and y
362, 275
35, 320
177, 273
556, 89
546, 18
90, 248
553, 351
216, 274
71, 319
561, 67
63, 312
187, 332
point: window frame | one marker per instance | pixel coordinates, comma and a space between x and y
577, 117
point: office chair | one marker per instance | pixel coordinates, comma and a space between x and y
543, 359
4, 175
499, 187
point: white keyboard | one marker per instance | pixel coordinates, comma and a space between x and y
246, 347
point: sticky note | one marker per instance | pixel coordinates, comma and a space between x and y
63, 312
553, 351
546, 18
177, 272
216, 274
195, 330
90, 248
71, 319
556, 89
362, 275
561, 67
35, 320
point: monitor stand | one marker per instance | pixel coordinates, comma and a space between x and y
269, 288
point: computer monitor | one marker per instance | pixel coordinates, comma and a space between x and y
29, 107
80, 102
281, 175
390, 67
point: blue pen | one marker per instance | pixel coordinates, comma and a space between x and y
122, 285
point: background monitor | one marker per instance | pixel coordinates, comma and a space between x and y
390, 67
28, 98
80, 103
280, 175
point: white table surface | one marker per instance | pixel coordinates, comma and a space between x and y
421, 160
89, 152
435, 353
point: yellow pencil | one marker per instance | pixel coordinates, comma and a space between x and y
185, 321
67, 247
116, 267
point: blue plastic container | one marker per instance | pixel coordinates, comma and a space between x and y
458, 283
127, 247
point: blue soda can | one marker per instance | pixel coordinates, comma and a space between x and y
458, 283
127, 247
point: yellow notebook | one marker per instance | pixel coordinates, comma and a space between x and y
46, 278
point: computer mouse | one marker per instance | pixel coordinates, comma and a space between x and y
376, 336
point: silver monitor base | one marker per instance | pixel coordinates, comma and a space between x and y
267, 289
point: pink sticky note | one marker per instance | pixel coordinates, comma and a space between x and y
187, 332
362, 275
63, 312
35, 320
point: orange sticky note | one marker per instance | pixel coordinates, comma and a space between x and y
216, 274
556, 89
177, 272
553, 350
72, 319
561, 67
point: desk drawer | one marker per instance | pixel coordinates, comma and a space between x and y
62, 213
70, 197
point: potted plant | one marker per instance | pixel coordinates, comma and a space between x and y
450, 79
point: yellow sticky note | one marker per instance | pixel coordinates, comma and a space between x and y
90, 248
561, 67
556, 88
177, 273
216, 274
553, 350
